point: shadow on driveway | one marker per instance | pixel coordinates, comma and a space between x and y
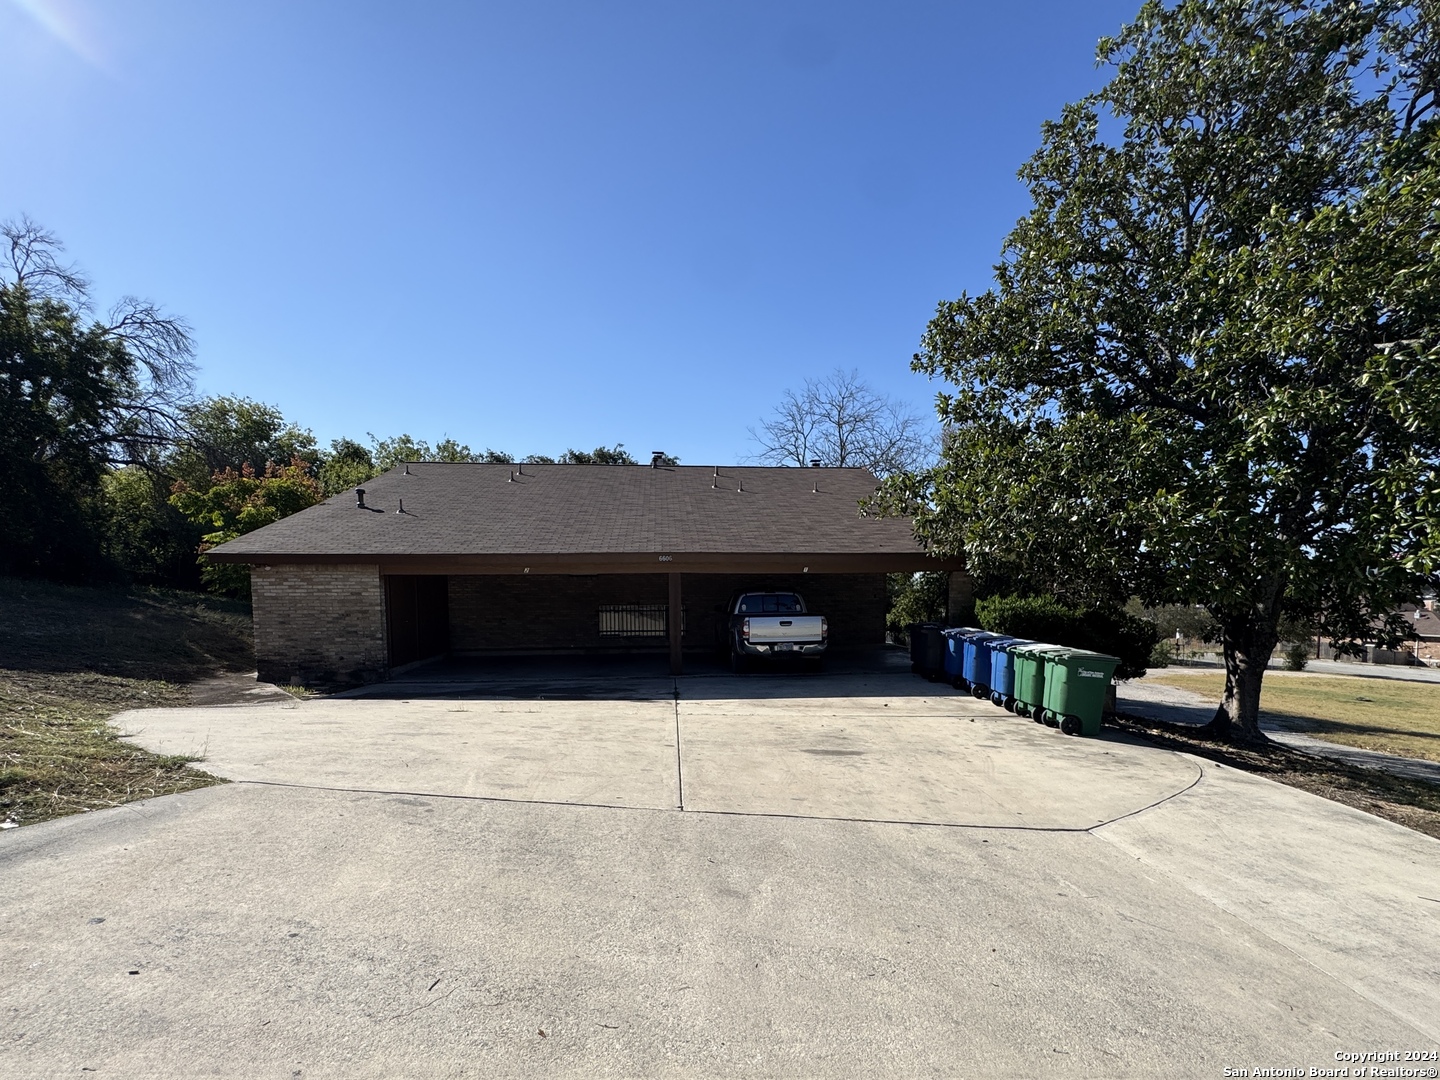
878, 672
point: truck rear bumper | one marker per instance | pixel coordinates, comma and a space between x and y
779, 649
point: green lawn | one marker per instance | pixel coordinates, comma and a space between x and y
1389, 715
72, 657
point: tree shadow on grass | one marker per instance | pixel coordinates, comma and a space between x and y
1309, 725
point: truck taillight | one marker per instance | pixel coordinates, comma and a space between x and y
824, 628
745, 629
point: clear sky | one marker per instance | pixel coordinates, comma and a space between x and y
531, 224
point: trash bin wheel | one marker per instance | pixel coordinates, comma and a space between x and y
977, 691
997, 699
1051, 718
1071, 725
1009, 705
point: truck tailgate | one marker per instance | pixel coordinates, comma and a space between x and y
768, 628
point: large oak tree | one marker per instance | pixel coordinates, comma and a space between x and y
1208, 371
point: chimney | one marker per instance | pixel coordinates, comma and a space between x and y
360, 499
656, 456
815, 463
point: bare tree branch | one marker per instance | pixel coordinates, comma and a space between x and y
31, 262
840, 421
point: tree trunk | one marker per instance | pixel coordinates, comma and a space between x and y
1247, 653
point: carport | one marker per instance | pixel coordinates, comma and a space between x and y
435, 559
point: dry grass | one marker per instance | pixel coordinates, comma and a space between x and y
70, 658
1389, 715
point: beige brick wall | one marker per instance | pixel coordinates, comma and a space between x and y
319, 625
544, 611
489, 612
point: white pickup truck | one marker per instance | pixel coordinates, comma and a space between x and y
774, 626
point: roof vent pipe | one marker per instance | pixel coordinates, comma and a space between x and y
360, 499
740, 485
512, 477
407, 469
402, 507
521, 466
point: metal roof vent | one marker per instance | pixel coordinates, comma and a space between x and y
512, 477
360, 499
656, 458
407, 469
402, 507
814, 463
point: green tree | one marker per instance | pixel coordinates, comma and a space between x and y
916, 598
79, 395
388, 453
236, 502
1209, 370
601, 455
229, 432
145, 536
347, 464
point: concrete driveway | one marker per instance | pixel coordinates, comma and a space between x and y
857, 874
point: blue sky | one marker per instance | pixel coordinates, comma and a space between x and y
533, 225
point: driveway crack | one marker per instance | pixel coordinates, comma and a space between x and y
679, 772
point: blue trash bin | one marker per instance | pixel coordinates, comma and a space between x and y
955, 654
977, 662
1002, 671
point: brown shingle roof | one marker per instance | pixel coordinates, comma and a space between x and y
474, 509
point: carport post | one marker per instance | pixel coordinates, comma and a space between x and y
672, 624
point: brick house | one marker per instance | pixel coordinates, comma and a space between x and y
473, 559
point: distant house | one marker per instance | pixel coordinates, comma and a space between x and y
440, 559
1425, 628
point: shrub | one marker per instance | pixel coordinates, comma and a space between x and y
1296, 656
1111, 631
1162, 653
917, 598
1042, 618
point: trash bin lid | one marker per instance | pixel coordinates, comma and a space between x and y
1086, 654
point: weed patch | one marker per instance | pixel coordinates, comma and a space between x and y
71, 658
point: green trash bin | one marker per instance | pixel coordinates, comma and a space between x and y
1030, 678
1076, 683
